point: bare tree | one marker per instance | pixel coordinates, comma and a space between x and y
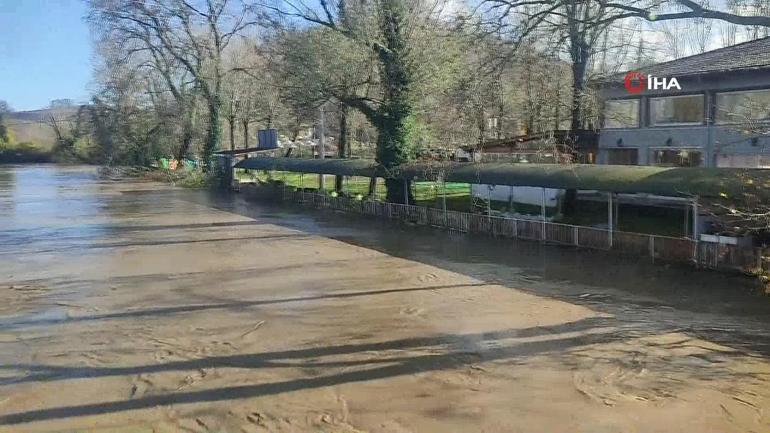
661, 11
388, 32
5, 109
193, 35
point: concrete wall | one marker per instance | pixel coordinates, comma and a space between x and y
721, 145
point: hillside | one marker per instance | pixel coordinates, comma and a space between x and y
32, 127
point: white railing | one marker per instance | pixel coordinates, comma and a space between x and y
664, 248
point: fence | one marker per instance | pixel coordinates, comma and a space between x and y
664, 248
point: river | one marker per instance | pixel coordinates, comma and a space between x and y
132, 306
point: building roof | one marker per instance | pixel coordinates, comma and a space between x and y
745, 56
664, 181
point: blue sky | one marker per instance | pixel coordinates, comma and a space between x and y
45, 52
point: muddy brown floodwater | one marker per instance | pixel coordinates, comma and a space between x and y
132, 306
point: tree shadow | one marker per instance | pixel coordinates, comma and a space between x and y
178, 309
162, 242
455, 353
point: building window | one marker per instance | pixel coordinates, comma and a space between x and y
678, 158
740, 107
676, 110
743, 161
623, 156
621, 113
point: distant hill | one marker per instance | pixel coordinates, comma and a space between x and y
32, 127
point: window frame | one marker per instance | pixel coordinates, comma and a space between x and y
637, 149
728, 92
651, 118
653, 161
638, 113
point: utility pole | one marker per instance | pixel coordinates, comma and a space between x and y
322, 147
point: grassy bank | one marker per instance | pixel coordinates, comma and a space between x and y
183, 178
631, 218
24, 153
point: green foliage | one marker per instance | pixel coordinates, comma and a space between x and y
7, 137
23, 153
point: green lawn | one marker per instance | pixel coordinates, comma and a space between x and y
638, 219
422, 191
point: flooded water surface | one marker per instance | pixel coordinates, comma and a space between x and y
129, 306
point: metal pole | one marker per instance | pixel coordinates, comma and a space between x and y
695, 219
443, 191
695, 230
406, 192
489, 199
322, 147
610, 218
542, 212
686, 220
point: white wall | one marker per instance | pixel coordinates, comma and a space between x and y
531, 195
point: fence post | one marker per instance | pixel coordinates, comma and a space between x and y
542, 212
652, 248
443, 202
489, 199
575, 235
695, 232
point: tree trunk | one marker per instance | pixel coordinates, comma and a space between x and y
214, 137
373, 187
231, 124
578, 88
580, 55
392, 149
397, 188
190, 113
245, 134
396, 111
342, 145
187, 139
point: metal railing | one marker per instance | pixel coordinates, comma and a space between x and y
664, 248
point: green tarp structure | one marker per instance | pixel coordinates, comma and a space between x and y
664, 181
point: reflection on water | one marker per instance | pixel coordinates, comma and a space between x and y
43, 202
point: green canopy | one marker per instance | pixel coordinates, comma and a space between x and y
665, 181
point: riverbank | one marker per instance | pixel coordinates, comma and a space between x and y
137, 306
186, 178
